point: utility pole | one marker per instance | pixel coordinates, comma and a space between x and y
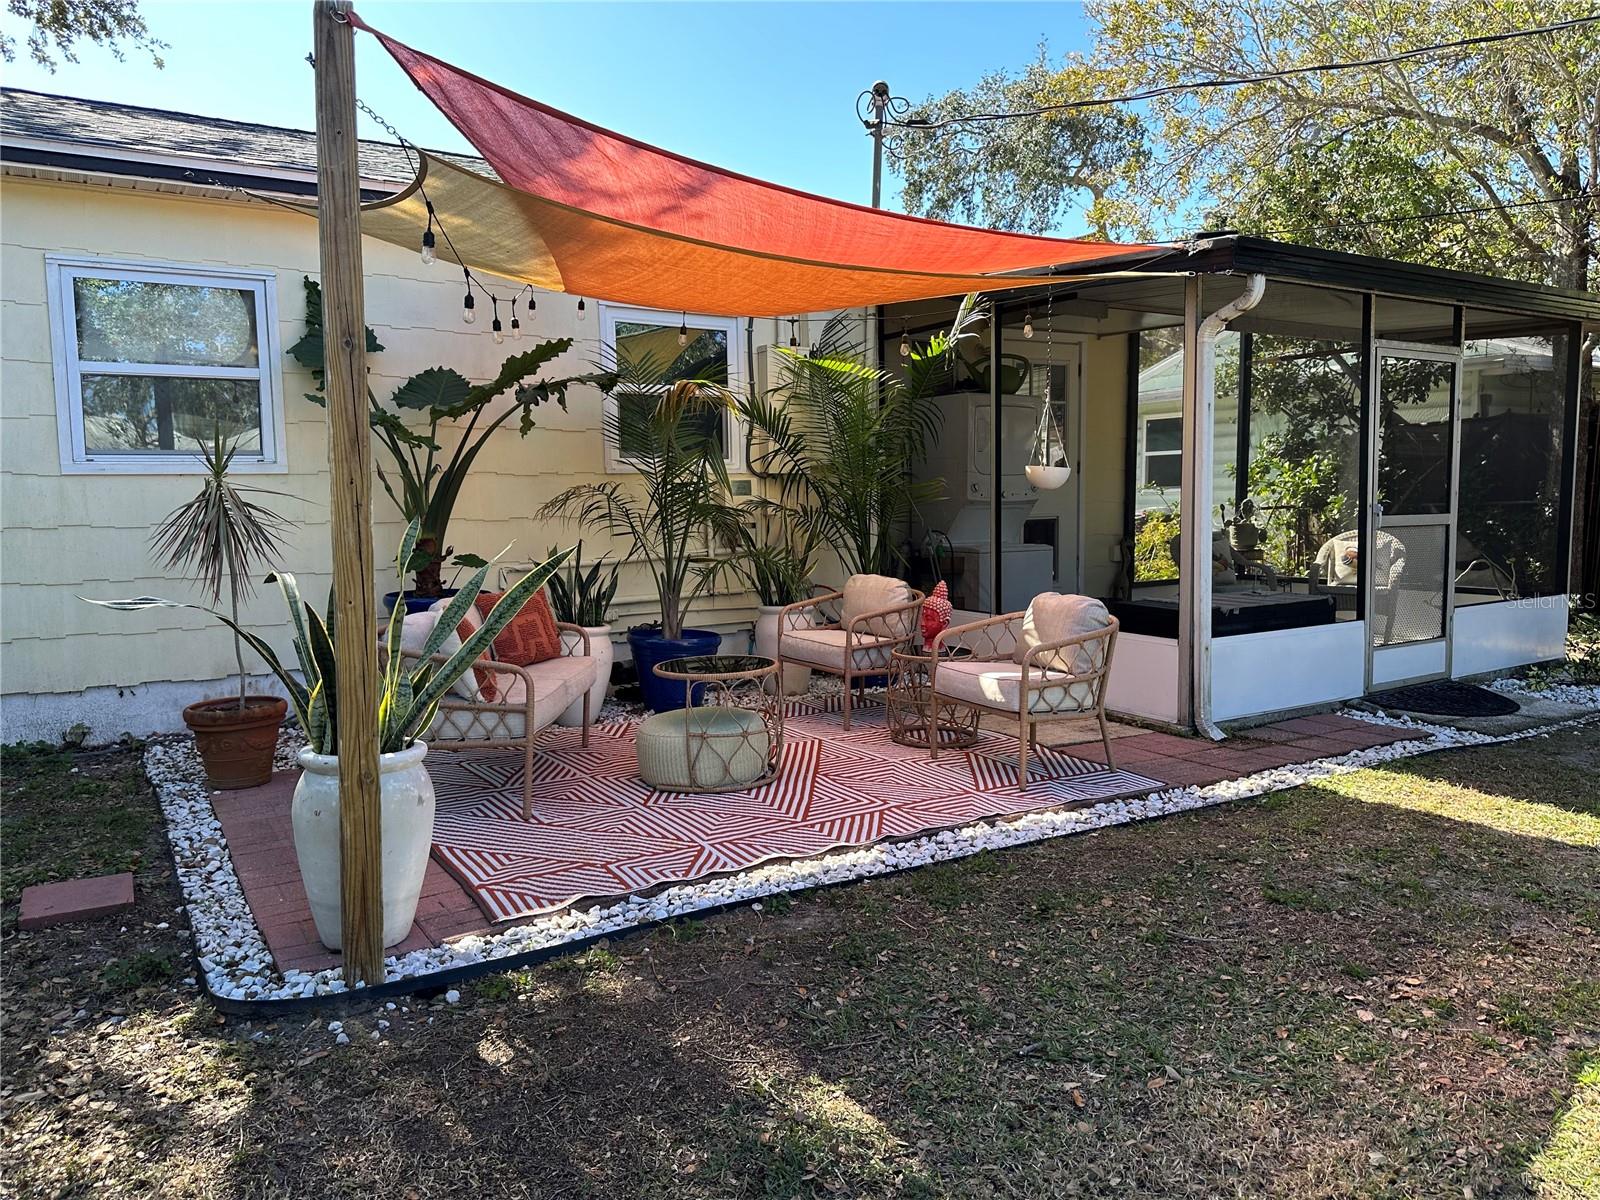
350, 494
878, 104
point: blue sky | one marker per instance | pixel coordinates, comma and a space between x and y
764, 88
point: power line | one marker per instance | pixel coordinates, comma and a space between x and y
1239, 81
1448, 212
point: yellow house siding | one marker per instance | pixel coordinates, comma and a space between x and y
66, 535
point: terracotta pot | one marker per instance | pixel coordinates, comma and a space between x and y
236, 745
405, 800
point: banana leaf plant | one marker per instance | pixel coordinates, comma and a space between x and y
410, 689
424, 478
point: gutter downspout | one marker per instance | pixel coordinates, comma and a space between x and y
1197, 545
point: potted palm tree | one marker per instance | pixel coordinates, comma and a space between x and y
408, 700
667, 437
222, 538
583, 598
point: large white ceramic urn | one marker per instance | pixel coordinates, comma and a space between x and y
603, 653
406, 800
796, 680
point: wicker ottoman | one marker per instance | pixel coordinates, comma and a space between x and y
711, 749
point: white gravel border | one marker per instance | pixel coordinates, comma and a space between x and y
238, 965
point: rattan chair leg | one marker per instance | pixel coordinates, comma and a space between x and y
845, 722
1022, 748
586, 719
527, 777
1105, 736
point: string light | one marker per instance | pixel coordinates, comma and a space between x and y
683, 329
905, 341
429, 255
1027, 325
468, 316
794, 337
581, 313
494, 325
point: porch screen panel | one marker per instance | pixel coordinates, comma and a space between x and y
1513, 406
1409, 584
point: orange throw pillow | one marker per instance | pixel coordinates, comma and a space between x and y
488, 690
531, 636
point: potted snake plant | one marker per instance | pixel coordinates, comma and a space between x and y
583, 598
408, 700
221, 538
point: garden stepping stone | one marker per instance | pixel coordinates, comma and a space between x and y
46, 904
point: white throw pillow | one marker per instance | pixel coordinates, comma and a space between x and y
1053, 617
414, 637
870, 593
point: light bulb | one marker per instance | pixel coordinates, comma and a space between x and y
499, 334
1027, 325
581, 309
468, 313
428, 255
905, 346
516, 328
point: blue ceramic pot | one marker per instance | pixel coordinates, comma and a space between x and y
415, 603
650, 648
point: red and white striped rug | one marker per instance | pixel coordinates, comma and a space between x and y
599, 831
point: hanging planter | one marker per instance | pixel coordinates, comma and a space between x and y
1049, 468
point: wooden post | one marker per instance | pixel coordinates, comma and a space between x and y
350, 493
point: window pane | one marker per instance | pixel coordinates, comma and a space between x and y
654, 351
634, 408
125, 414
1165, 434
1414, 435
1512, 409
1163, 470
134, 320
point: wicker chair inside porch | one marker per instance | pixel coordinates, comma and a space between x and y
1001, 665
851, 633
527, 700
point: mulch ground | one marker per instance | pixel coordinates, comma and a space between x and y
1387, 984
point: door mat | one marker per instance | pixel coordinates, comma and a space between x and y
1446, 699
599, 831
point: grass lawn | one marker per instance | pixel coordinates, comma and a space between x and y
1387, 984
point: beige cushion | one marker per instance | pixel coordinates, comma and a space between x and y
870, 593
999, 685
730, 748
825, 648
1053, 617
557, 682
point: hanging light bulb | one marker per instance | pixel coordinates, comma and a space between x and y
905, 342
1027, 325
468, 316
494, 325
794, 337
683, 329
581, 313
516, 325
429, 257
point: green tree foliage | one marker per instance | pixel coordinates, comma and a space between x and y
57, 26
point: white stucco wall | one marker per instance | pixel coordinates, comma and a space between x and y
61, 660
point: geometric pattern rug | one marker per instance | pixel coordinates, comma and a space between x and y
598, 831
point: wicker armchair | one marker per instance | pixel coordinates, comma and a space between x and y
987, 665
527, 700
849, 634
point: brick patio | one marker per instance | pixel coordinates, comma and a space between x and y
256, 823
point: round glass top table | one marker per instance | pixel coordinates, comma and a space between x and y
731, 725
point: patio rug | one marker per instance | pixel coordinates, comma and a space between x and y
599, 831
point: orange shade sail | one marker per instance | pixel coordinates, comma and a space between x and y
584, 210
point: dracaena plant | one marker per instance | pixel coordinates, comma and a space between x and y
410, 688
423, 476
222, 537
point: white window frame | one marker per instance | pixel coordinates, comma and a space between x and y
734, 429
1146, 454
60, 272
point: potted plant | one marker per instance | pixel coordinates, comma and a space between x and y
841, 438
583, 598
424, 480
408, 700
778, 570
223, 537
678, 457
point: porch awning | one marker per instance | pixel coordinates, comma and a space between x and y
583, 210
